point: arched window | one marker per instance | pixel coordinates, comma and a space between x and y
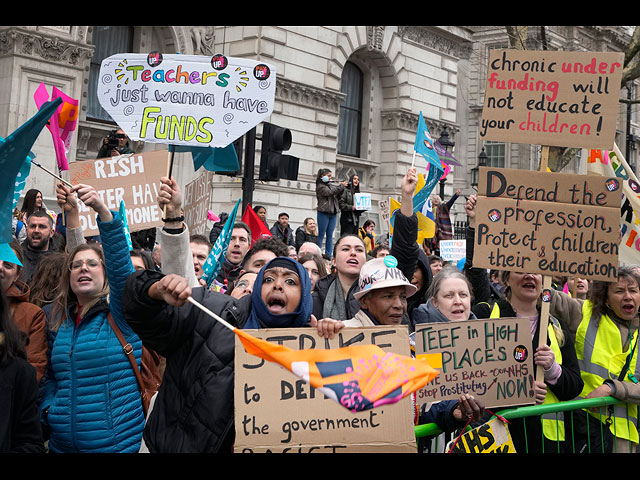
350, 123
108, 41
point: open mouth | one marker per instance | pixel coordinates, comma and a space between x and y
353, 262
276, 304
629, 308
84, 279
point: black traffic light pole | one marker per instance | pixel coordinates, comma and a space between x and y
248, 182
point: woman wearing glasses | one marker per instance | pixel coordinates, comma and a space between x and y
90, 398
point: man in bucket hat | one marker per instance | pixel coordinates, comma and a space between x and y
382, 292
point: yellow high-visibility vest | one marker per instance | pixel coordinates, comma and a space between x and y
600, 353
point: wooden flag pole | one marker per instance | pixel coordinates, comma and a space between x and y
546, 284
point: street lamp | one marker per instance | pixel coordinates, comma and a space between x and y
482, 162
448, 145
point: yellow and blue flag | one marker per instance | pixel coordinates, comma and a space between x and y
421, 207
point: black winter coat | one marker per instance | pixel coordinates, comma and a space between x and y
194, 409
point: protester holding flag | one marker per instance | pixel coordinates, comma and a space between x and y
20, 430
349, 216
307, 232
327, 194
562, 379
605, 326
194, 410
28, 317
86, 359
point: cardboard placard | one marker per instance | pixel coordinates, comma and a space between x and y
561, 98
548, 223
197, 195
275, 411
188, 100
133, 178
491, 359
490, 437
385, 214
453, 250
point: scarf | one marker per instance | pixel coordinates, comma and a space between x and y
334, 303
261, 317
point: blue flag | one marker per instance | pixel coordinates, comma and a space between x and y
424, 145
223, 159
14, 152
214, 261
8, 255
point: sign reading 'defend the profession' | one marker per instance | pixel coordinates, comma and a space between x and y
561, 98
187, 100
548, 223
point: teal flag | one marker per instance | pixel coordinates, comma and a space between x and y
223, 159
125, 225
14, 152
425, 145
215, 259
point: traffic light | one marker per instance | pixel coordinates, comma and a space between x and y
275, 165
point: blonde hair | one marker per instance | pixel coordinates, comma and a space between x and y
66, 297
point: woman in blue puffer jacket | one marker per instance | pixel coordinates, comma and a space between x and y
90, 400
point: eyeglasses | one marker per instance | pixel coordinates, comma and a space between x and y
91, 264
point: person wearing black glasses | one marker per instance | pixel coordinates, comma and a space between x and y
115, 144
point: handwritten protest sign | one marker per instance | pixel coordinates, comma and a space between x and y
197, 195
132, 178
561, 98
490, 359
490, 437
548, 223
276, 411
385, 214
362, 201
612, 163
453, 250
186, 99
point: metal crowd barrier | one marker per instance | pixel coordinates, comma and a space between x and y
438, 438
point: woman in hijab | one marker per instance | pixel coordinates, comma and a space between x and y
194, 409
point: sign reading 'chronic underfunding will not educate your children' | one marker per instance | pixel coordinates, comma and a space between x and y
188, 100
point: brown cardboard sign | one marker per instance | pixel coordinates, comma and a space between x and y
560, 98
197, 195
548, 223
275, 411
491, 359
133, 178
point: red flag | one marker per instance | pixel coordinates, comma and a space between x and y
359, 377
257, 226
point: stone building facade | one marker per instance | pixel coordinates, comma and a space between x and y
381, 76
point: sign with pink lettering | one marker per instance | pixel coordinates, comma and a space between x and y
190, 100
558, 98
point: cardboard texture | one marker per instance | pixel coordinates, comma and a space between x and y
188, 100
561, 98
491, 359
133, 178
275, 411
548, 223
196, 198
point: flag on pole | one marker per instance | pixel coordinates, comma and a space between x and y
358, 377
14, 152
125, 225
63, 122
421, 207
213, 159
424, 144
214, 261
257, 226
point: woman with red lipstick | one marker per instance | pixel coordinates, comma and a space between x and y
561, 380
606, 335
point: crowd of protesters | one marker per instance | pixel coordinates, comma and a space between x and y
69, 304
